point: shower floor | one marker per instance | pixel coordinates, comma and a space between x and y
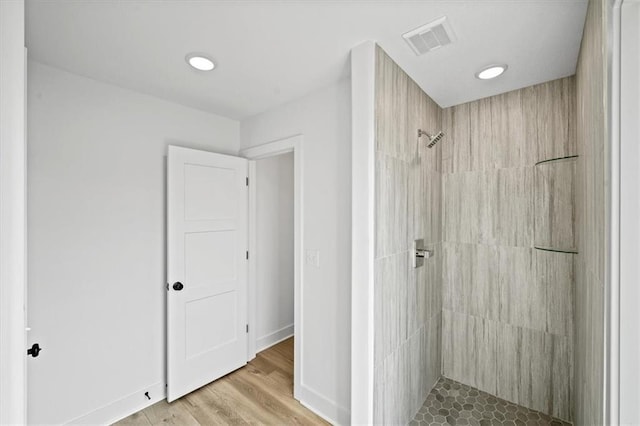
452, 403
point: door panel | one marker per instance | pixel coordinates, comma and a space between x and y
207, 239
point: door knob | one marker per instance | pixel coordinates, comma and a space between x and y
177, 286
35, 350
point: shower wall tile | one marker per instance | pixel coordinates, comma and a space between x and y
507, 308
555, 271
417, 303
416, 208
535, 370
494, 207
390, 303
416, 374
407, 301
554, 204
562, 377
513, 117
426, 359
523, 297
424, 114
510, 203
470, 279
591, 216
556, 109
470, 125
404, 379
393, 394
434, 277
424, 176
379, 387
456, 125
391, 88
433, 155
424, 292
455, 276
514, 129
447, 148
424, 354
480, 134
432, 350
469, 350
391, 203
462, 207
431, 198
519, 286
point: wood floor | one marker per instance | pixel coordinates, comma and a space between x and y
259, 393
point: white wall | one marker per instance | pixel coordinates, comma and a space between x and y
274, 251
96, 193
324, 118
629, 209
12, 214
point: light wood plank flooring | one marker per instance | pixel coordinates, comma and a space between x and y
259, 393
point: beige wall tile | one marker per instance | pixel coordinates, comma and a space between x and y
391, 109
554, 220
535, 370
510, 203
523, 297
390, 304
555, 271
480, 135
492, 276
556, 108
391, 206
510, 121
407, 301
469, 350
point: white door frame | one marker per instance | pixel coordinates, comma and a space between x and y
271, 149
13, 223
623, 313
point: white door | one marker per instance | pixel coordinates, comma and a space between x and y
207, 207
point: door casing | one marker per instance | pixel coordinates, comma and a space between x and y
281, 146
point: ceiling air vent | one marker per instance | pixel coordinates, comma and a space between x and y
430, 36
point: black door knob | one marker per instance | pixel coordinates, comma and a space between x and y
177, 286
35, 350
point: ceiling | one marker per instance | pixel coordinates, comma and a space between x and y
271, 52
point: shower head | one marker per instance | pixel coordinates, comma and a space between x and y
433, 139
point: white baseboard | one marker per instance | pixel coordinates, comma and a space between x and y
271, 339
325, 408
123, 407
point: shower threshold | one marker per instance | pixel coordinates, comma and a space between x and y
452, 403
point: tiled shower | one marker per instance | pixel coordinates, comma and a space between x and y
493, 310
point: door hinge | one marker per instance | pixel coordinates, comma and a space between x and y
247, 328
247, 254
247, 181
167, 286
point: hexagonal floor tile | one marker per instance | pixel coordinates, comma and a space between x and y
453, 403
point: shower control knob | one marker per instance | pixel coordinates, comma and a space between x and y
423, 253
177, 286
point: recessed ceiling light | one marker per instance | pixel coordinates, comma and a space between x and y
200, 62
490, 72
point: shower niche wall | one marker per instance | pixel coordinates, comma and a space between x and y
493, 307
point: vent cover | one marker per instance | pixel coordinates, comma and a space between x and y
430, 36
